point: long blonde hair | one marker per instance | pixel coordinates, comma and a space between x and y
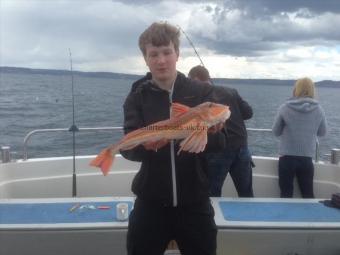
304, 87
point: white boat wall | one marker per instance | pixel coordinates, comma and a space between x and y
33, 191
52, 178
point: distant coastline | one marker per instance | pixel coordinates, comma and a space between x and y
22, 70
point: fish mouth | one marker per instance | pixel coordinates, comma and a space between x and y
225, 115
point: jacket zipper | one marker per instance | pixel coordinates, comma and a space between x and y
172, 154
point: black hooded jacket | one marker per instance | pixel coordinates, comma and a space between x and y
235, 129
157, 181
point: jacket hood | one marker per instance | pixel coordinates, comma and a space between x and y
302, 104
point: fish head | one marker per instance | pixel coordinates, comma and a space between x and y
213, 113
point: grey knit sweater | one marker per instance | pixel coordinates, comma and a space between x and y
297, 124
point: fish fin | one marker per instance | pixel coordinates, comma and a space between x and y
195, 142
178, 109
200, 141
185, 144
104, 160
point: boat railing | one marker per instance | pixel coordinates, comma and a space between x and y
317, 147
37, 131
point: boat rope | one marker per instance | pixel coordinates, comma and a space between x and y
73, 129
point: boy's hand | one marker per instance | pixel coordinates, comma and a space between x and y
214, 129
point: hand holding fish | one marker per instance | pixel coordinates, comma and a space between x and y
189, 124
214, 129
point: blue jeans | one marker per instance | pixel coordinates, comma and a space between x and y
238, 164
303, 168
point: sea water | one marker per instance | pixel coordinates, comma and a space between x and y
43, 101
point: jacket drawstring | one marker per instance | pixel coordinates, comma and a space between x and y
172, 154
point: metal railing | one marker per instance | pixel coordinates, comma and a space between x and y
36, 131
260, 129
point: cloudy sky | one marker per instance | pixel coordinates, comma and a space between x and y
235, 38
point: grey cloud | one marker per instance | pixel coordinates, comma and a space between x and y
92, 34
252, 34
264, 25
260, 7
277, 6
102, 31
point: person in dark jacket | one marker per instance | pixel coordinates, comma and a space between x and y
172, 191
298, 122
235, 158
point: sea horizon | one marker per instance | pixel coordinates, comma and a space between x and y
116, 75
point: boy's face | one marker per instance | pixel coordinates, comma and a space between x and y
161, 61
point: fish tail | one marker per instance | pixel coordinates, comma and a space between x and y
104, 160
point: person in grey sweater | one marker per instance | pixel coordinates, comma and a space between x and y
297, 124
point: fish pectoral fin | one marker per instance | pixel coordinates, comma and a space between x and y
195, 142
185, 143
200, 142
178, 109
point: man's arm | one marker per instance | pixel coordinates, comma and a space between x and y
216, 142
216, 136
245, 108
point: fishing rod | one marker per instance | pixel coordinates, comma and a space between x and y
194, 48
73, 129
192, 44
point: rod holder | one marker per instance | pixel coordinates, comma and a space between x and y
335, 156
5, 154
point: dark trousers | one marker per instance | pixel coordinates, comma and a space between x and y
238, 164
151, 227
303, 169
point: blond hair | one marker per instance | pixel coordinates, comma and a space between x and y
159, 34
304, 87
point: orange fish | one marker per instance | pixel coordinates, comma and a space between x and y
190, 124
